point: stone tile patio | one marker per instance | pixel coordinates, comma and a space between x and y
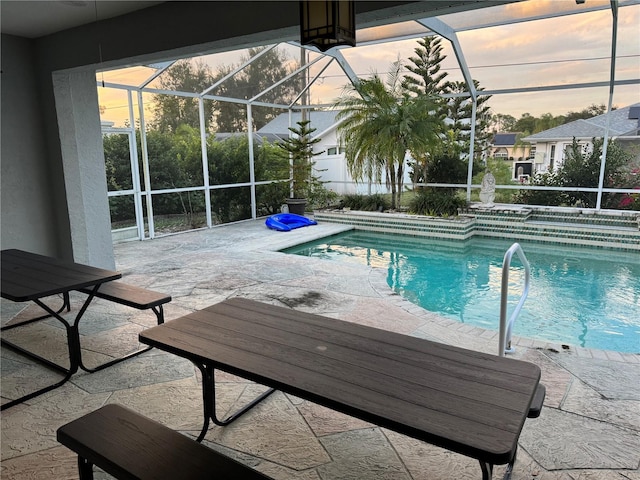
588, 430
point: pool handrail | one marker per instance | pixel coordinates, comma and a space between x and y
506, 327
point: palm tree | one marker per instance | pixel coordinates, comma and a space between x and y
382, 122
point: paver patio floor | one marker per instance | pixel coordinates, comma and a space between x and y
589, 427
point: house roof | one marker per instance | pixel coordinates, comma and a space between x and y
259, 138
623, 122
321, 120
504, 139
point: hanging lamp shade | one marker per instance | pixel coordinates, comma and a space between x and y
327, 23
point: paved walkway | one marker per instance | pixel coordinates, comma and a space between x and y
589, 428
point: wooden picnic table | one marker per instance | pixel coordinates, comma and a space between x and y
32, 277
469, 402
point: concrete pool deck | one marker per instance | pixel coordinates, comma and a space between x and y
589, 427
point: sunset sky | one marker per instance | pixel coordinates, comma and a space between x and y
552, 51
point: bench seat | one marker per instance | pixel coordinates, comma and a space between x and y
130, 296
128, 445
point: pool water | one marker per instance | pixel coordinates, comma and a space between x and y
579, 296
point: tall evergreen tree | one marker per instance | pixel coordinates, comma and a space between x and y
459, 112
427, 78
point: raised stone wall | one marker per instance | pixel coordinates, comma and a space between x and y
612, 230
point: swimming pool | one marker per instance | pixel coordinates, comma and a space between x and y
579, 296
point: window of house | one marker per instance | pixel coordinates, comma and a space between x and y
532, 152
501, 153
335, 150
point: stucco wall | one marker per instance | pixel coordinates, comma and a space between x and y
28, 221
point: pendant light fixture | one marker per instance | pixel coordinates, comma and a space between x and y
327, 23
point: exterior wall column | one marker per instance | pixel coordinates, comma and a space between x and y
78, 115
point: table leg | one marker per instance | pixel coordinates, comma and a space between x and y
31, 395
85, 469
159, 311
209, 401
66, 305
509, 470
487, 470
73, 344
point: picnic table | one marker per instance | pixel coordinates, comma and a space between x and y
468, 402
32, 277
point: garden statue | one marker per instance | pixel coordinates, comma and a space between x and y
488, 189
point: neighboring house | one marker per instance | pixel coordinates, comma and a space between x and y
505, 146
259, 139
550, 145
331, 166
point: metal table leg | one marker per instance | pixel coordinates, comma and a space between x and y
487, 470
66, 305
509, 470
209, 401
73, 344
159, 312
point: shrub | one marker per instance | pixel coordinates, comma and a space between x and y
270, 197
320, 196
369, 203
436, 203
542, 197
582, 169
630, 201
353, 201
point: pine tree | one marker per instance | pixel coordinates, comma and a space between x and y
459, 112
427, 78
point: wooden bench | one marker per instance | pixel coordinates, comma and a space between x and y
130, 296
128, 445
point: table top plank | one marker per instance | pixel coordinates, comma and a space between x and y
28, 276
451, 397
289, 319
382, 343
321, 354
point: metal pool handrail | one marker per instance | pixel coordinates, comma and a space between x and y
506, 327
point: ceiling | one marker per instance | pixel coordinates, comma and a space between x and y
38, 18
33, 19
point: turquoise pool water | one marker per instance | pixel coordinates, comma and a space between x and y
579, 296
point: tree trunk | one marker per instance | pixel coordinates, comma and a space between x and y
400, 180
392, 181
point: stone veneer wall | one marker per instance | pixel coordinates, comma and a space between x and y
611, 229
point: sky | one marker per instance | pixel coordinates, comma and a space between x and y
553, 51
